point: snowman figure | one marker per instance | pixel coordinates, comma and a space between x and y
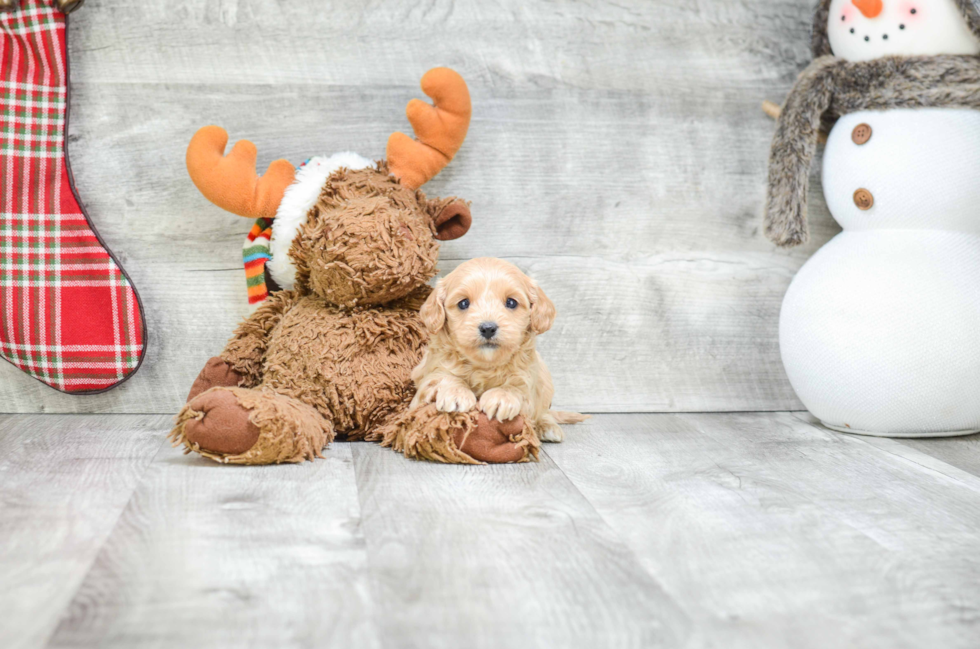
880, 330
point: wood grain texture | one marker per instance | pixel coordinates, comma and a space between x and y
617, 152
771, 531
501, 556
209, 555
64, 480
751, 530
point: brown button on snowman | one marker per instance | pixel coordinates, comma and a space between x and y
879, 329
861, 134
863, 199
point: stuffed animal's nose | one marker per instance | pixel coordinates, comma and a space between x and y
488, 329
870, 8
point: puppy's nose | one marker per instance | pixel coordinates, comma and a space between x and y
488, 329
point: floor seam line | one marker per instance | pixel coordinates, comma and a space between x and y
374, 585
620, 539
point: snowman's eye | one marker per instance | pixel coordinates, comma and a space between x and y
912, 11
843, 18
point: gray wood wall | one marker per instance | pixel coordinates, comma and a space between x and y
617, 153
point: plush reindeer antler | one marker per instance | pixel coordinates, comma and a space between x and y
440, 129
230, 182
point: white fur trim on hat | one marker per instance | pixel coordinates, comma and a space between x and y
296, 203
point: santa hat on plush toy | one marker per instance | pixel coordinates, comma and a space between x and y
281, 199
833, 86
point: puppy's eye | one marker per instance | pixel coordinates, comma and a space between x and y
511, 303
463, 304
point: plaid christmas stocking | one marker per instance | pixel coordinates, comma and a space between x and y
69, 315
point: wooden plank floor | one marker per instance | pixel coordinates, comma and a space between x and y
670, 530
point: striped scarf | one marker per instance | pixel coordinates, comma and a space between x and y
256, 255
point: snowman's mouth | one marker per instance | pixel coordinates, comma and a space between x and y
884, 36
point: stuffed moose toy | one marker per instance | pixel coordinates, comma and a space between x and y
353, 244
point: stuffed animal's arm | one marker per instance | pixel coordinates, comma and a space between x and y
245, 352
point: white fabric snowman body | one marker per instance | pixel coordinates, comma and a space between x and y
880, 330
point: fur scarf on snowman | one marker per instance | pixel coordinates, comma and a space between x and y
831, 87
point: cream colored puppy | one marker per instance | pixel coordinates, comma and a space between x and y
484, 318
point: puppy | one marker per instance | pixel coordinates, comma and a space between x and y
483, 318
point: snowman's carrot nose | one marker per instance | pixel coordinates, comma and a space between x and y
870, 8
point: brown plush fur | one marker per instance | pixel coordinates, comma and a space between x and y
369, 240
288, 429
830, 87
350, 365
425, 433
334, 355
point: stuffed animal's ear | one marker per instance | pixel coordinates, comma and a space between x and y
453, 221
450, 216
542, 309
433, 312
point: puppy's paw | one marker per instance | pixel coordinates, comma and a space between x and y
500, 404
426, 394
551, 433
454, 398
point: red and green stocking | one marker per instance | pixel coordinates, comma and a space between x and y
69, 315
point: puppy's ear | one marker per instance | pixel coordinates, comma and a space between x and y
433, 312
542, 309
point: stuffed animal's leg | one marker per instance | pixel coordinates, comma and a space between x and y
245, 426
425, 433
